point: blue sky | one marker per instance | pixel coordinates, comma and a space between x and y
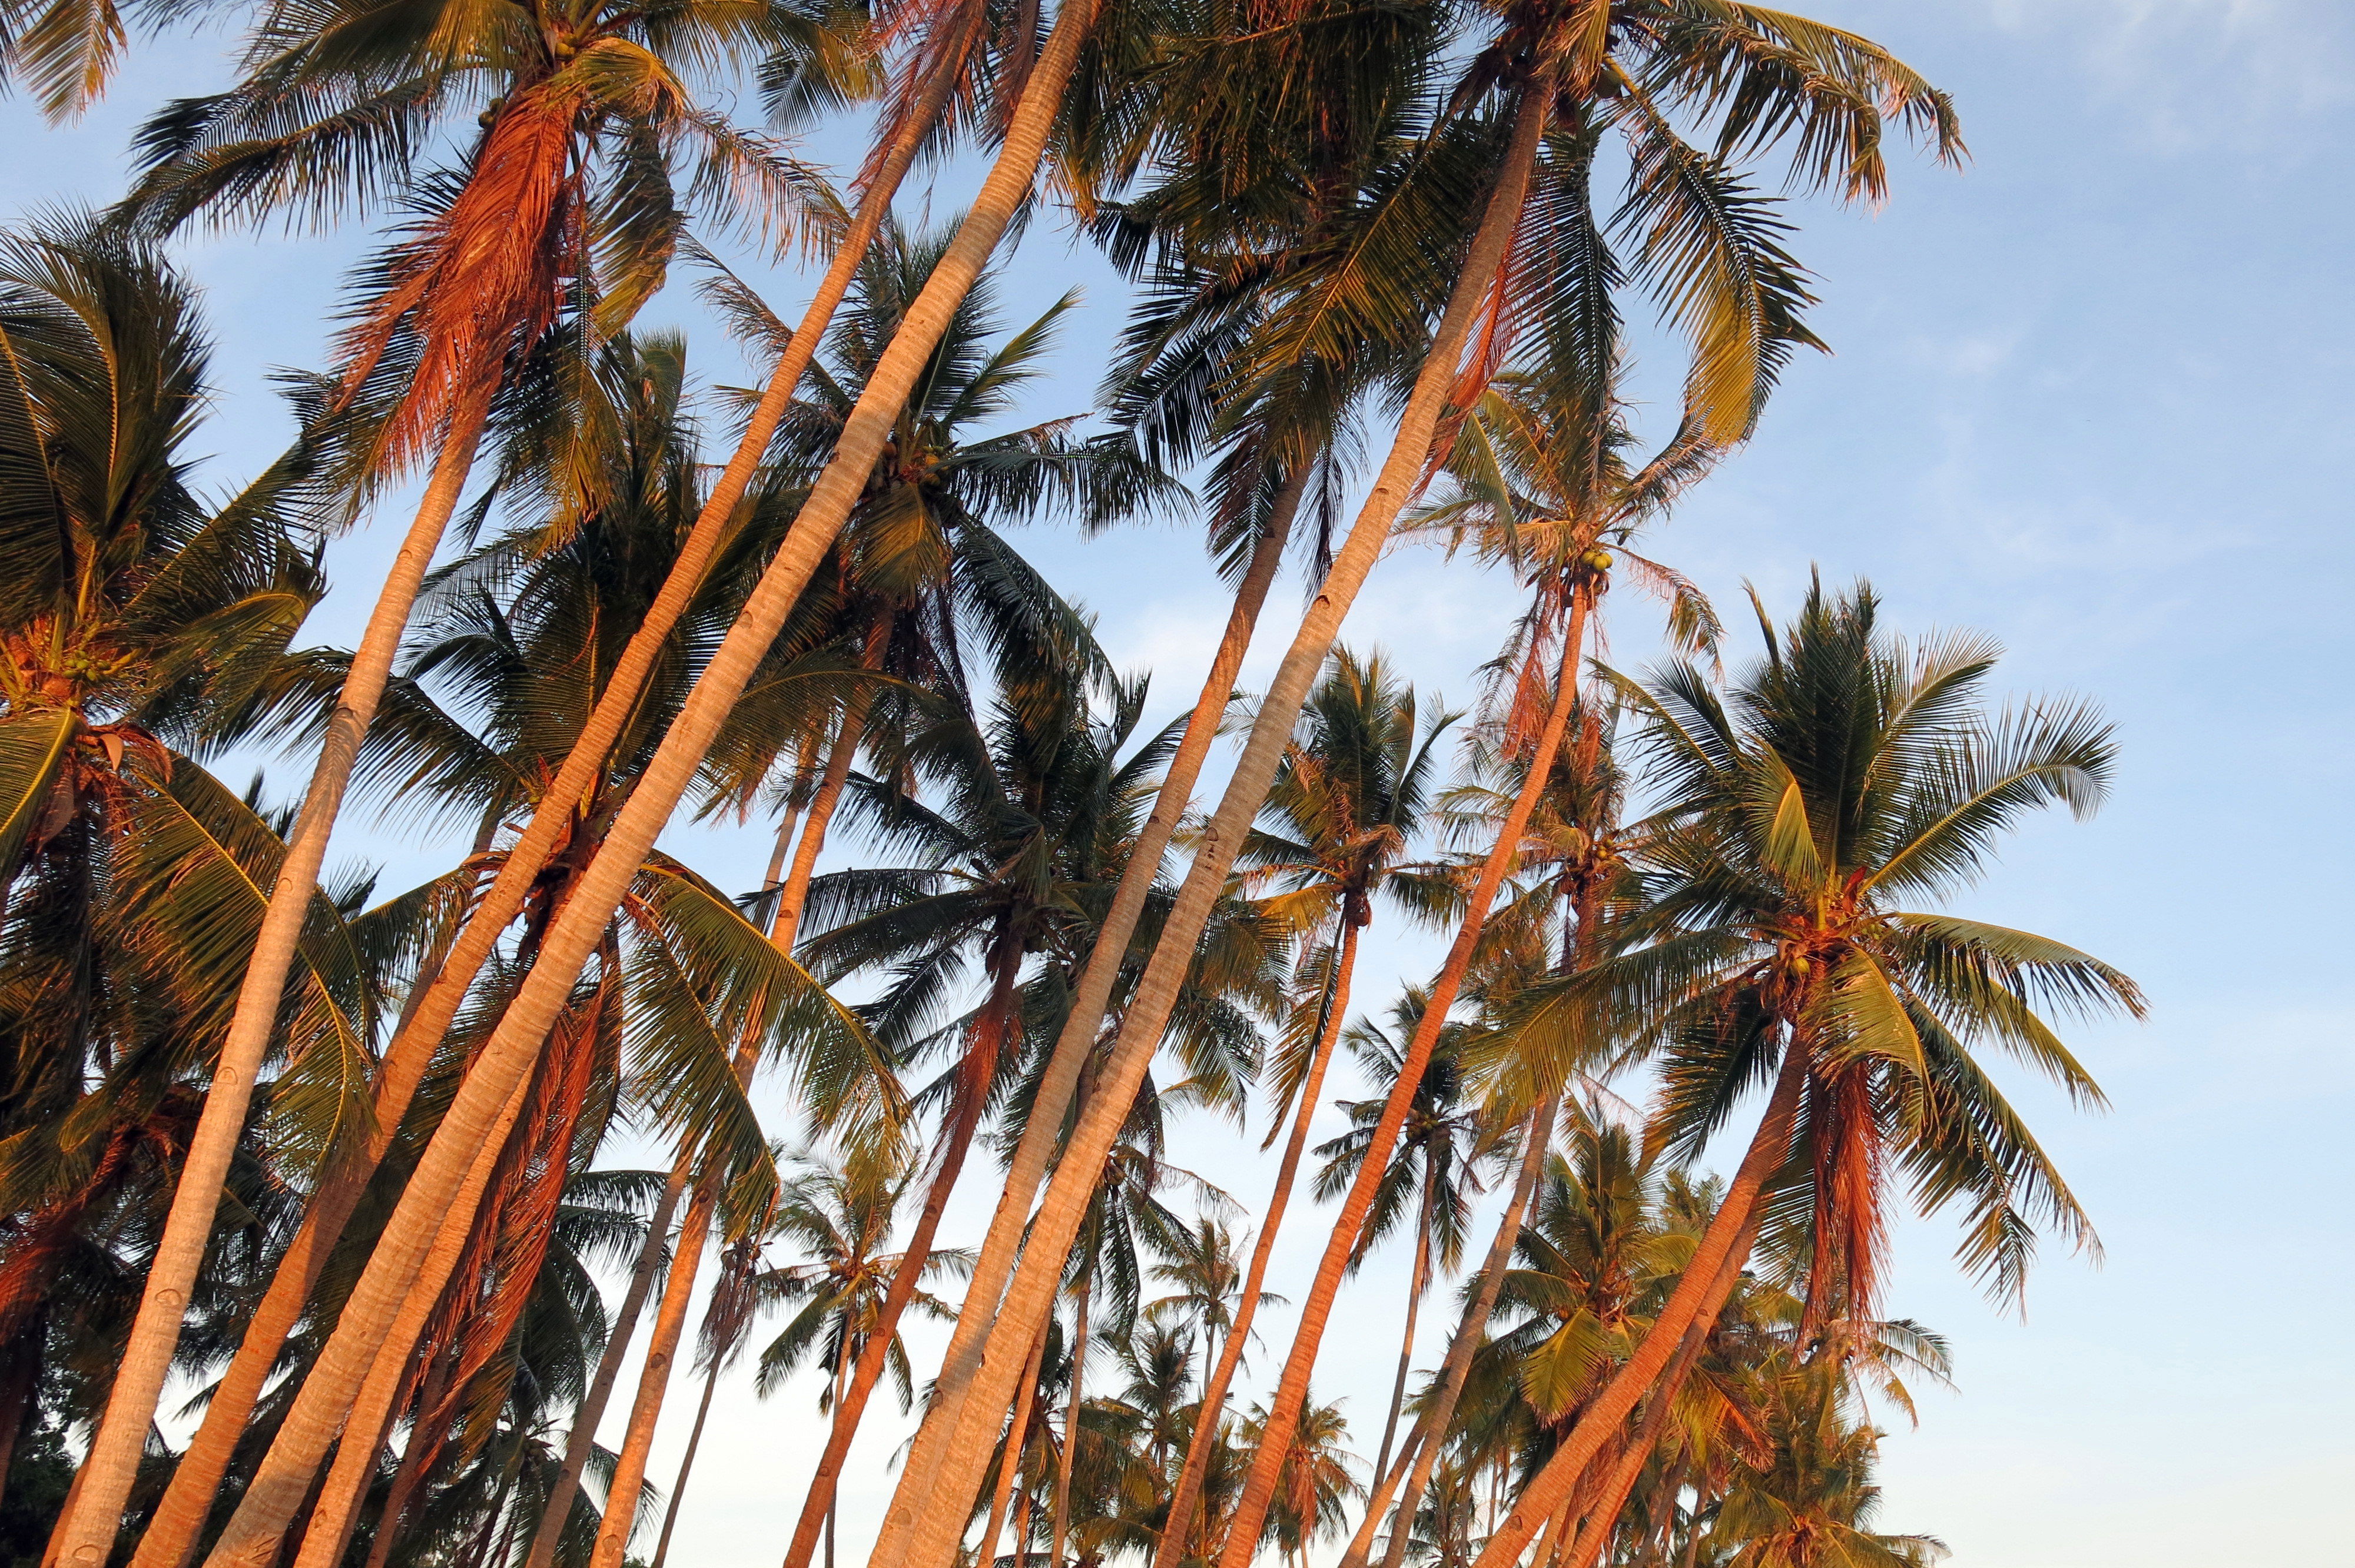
2090, 394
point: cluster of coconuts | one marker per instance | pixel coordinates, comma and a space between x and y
1597, 561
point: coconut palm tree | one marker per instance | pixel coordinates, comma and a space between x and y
1433, 1177
839, 1218
569, 193
1344, 810
1693, 256
921, 571
1840, 773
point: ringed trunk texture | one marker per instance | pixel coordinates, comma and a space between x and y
654, 1382
255, 1531
582, 1438
1184, 1501
1708, 1278
372, 1413
908, 1536
1076, 1039
1419, 1284
1059, 1529
1010, 1474
1456, 1367
685, 1466
874, 1356
172, 1535
86, 1533
1283, 1411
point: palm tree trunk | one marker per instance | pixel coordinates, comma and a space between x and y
171, 1536
910, 1539
260, 1523
787, 923
654, 1382
376, 1407
687, 1465
86, 1532
1059, 1531
1010, 1474
1187, 1499
1076, 1042
582, 1438
997, 1019
841, 1371
1707, 1280
1420, 1283
406, 1479
1457, 1367
1292, 1391
372, 1411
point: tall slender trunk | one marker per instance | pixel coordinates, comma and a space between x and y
1010, 1474
1076, 1042
1292, 1391
997, 1019
1186, 1498
1058, 1531
1429, 1434
582, 1438
86, 1532
413, 1459
962, 1426
841, 1375
171, 1536
373, 1409
1420, 1283
787, 923
687, 1465
1708, 1277
261, 1520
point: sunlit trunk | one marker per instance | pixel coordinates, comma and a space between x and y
86, 1532
1204, 1441
960, 1428
582, 1438
1010, 1474
1058, 1531
1073, 1045
505, 1058
1707, 1280
687, 1465
1292, 1390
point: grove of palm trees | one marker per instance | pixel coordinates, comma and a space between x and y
1093, 1069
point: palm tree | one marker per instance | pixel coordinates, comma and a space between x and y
440, 1175
839, 1218
921, 571
1001, 868
1201, 1265
1341, 818
136, 628
504, 647
1571, 883
1694, 256
1433, 1177
528, 218
1842, 772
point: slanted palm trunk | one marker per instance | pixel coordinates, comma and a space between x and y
86, 1531
992, 1030
1419, 1283
1426, 1440
582, 1438
1292, 1391
1059, 1529
1010, 1474
172, 1535
318, 1409
1707, 1279
961, 1427
1187, 1499
687, 1465
654, 1378
1077, 1040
